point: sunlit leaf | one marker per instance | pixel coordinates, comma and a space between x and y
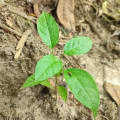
78, 45
31, 82
47, 67
83, 87
48, 29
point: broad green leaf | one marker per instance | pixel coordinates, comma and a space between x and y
62, 92
31, 82
78, 45
48, 29
83, 87
47, 67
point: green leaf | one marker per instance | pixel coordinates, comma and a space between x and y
31, 82
62, 92
47, 67
46, 83
78, 45
83, 87
48, 29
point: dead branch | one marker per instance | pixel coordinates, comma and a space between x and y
22, 42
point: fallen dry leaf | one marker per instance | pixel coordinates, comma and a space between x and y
114, 91
65, 13
112, 81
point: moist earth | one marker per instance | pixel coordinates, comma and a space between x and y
39, 103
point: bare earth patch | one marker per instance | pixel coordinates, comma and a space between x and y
38, 103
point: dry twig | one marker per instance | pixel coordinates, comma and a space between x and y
36, 9
10, 30
22, 14
18, 12
22, 42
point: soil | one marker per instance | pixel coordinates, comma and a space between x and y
39, 103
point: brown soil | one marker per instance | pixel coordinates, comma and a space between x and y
38, 103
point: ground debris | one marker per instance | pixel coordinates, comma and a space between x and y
21, 43
65, 13
3, 26
30, 103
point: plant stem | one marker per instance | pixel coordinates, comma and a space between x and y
92, 117
56, 82
52, 51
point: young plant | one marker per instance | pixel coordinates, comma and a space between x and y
80, 82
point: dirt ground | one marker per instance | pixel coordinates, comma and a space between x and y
38, 103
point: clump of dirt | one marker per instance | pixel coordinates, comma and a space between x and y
37, 103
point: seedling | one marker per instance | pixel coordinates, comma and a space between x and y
79, 81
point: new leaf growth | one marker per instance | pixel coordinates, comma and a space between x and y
79, 81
